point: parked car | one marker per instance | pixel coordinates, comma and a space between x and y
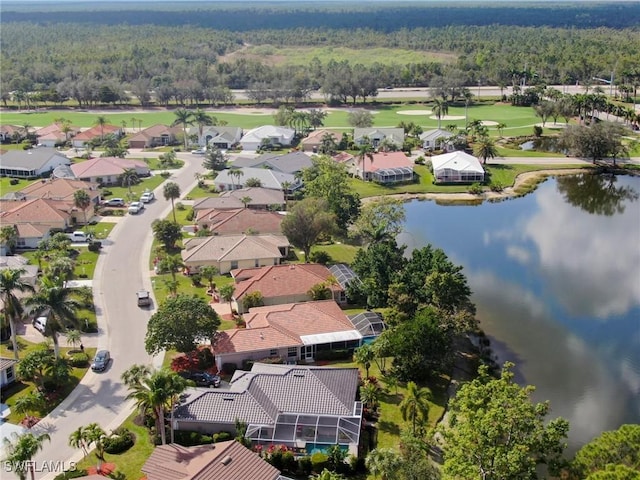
202, 379
79, 237
147, 197
101, 361
40, 324
136, 207
199, 151
144, 298
114, 202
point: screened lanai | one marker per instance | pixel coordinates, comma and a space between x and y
369, 324
309, 431
393, 175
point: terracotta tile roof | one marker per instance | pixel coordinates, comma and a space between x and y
105, 166
242, 220
28, 230
233, 247
220, 461
315, 137
382, 161
280, 280
343, 157
97, 131
36, 211
281, 326
59, 189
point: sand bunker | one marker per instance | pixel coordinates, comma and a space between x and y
489, 123
414, 112
552, 125
448, 117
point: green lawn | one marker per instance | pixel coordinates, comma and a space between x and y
198, 192
20, 389
154, 163
340, 252
128, 463
150, 183
6, 187
384, 115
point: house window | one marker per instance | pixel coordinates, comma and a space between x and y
9, 373
292, 352
234, 264
257, 263
273, 352
21, 242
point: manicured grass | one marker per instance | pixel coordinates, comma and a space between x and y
512, 152
154, 163
129, 463
391, 424
6, 187
505, 175
198, 192
22, 388
150, 183
340, 252
383, 115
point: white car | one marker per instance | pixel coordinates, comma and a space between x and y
136, 207
200, 151
147, 197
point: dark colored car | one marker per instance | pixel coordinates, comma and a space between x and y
202, 379
144, 298
101, 361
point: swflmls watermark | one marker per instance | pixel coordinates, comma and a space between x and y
45, 466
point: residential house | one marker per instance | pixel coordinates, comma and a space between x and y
313, 141
293, 162
229, 252
35, 218
291, 332
239, 221
96, 132
383, 167
7, 371
64, 189
155, 136
260, 199
379, 135
220, 461
226, 180
304, 408
457, 167
107, 170
223, 138
344, 158
18, 262
275, 136
436, 139
54, 135
9, 133
32, 163
281, 284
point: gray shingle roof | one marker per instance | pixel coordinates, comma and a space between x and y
288, 163
32, 159
259, 396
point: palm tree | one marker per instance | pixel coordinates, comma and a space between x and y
383, 462
171, 263
74, 337
365, 150
78, 439
201, 119
440, 109
327, 475
157, 392
25, 128
82, 200
364, 356
226, 293
10, 282
62, 309
135, 374
127, 178
21, 450
285, 190
101, 121
246, 200
171, 191
468, 97
9, 237
370, 394
415, 405
183, 117
485, 148
236, 172
209, 272
501, 127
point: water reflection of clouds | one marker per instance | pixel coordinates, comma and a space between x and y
576, 381
572, 245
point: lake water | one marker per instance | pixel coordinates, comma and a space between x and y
556, 280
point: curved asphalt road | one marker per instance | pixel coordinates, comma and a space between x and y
122, 269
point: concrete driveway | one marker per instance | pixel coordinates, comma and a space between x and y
121, 270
